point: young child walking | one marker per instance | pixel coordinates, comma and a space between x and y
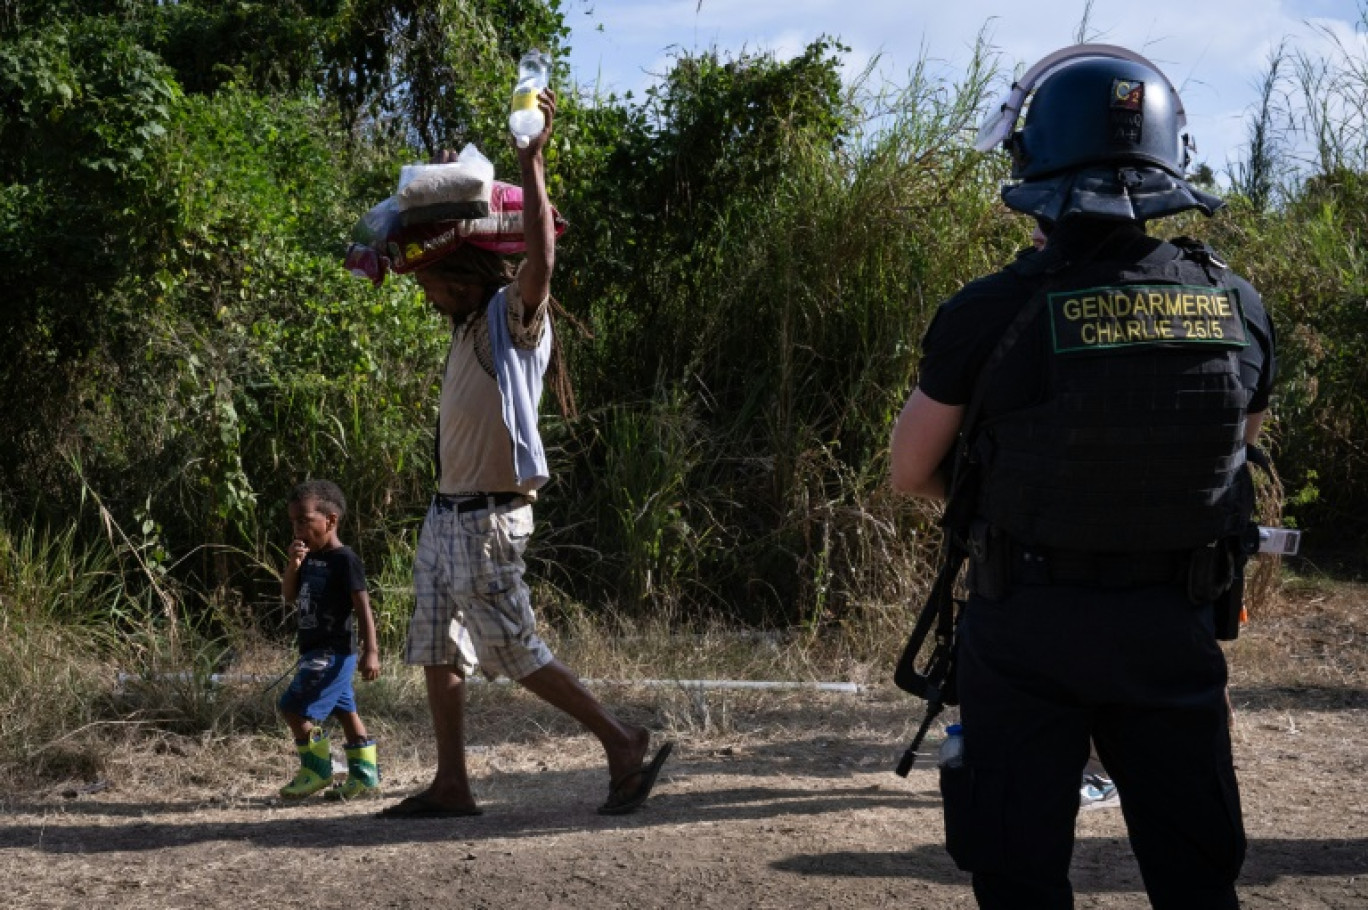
326, 582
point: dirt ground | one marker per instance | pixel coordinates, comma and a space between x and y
771, 800
793, 804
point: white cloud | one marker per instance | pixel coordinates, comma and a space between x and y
1215, 51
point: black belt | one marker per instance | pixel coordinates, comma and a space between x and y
473, 502
1043, 566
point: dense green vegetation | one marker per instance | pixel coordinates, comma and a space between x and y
755, 250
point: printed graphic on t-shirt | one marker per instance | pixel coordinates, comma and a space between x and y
313, 576
308, 616
1095, 319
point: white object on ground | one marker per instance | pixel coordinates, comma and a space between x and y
846, 688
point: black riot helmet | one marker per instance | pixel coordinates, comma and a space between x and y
1103, 136
1100, 111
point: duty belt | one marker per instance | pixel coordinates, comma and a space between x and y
1047, 566
473, 502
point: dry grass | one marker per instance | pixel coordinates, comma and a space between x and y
1311, 633
154, 724
223, 743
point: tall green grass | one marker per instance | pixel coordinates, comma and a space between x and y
56, 597
1299, 232
90, 642
732, 458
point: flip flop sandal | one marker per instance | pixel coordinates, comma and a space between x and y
622, 801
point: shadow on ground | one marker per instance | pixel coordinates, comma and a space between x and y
1303, 698
167, 825
1100, 864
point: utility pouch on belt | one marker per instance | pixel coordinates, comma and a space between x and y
1210, 573
989, 561
1216, 576
1228, 602
1227, 609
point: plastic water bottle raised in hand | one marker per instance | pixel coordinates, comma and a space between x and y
525, 118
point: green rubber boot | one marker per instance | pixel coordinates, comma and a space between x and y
315, 768
363, 774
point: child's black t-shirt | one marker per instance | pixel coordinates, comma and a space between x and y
324, 605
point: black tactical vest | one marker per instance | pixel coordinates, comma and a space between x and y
1138, 445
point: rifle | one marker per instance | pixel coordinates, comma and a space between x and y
936, 683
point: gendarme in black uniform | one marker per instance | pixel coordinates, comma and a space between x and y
1144, 332
968, 325
1110, 450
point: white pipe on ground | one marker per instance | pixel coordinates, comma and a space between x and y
845, 688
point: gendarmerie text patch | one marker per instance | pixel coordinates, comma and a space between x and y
1096, 319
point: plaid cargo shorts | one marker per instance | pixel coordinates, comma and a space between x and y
472, 609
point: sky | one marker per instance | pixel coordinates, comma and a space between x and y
1215, 52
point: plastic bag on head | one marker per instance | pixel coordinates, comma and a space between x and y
382, 243
442, 192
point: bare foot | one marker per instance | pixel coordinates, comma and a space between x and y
448, 798
424, 805
624, 761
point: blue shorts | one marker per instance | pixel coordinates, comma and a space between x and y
322, 686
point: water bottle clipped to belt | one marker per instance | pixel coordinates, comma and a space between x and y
951, 754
